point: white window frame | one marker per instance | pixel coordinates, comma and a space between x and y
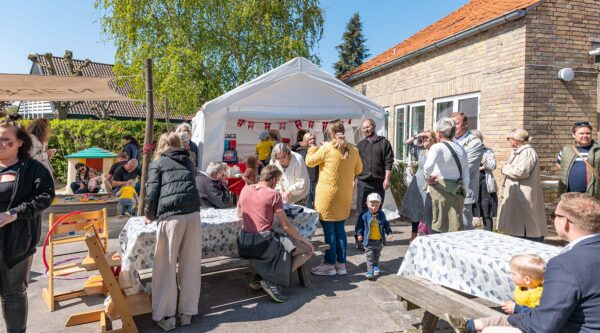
454, 100
407, 118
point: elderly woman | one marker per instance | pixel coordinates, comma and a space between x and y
447, 172
416, 204
26, 190
172, 200
522, 213
39, 130
184, 130
212, 186
487, 201
338, 162
294, 184
310, 140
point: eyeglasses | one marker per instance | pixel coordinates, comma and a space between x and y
555, 215
582, 123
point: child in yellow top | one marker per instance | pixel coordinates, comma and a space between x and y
127, 198
263, 149
527, 272
370, 227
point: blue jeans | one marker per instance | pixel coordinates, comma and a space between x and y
310, 203
76, 190
335, 236
126, 205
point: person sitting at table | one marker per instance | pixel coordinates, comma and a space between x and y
129, 170
172, 200
122, 158
212, 186
269, 251
295, 182
82, 177
527, 272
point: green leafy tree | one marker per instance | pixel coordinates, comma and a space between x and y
202, 48
353, 50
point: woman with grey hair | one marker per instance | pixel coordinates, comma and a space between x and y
486, 206
522, 209
447, 172
212, 186
294, 184
184, 130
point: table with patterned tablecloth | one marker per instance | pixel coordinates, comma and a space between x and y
220, 228
474, 262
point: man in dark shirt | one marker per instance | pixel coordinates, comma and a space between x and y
122, 158
127, 171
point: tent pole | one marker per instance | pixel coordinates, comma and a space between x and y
148, 134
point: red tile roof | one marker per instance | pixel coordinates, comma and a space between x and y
472, 14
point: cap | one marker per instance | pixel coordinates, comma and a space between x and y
374, 197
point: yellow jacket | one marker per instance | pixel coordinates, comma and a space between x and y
333, 195
528, 297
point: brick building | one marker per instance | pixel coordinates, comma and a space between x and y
497, 61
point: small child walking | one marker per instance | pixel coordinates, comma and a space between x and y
371, 227
127, 198
527, 272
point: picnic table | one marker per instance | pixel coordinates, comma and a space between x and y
474, 262
220, 228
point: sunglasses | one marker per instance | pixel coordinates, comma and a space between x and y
582, 123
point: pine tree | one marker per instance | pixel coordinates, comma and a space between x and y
353, 50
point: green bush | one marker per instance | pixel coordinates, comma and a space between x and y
398, 181
72, 135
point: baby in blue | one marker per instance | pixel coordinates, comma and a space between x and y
371, 226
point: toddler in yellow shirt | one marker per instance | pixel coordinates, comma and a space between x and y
127, 198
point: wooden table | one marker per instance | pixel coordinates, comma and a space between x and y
61, 205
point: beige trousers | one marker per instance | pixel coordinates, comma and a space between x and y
178, 240
501, 320
300, 255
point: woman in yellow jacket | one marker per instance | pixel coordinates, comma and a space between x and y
338, 162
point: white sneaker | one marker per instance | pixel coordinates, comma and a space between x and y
185, 320
167, 324
324, 269
341, 269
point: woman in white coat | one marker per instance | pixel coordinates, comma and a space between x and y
522, 212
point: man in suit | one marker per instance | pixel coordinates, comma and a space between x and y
474, 148
571, 298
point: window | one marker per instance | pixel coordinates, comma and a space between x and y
468, 104
410, 120
386, 121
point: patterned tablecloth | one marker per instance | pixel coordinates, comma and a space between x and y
474, 262
220, 228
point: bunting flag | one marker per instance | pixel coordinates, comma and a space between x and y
250, 124
349, 121
311, 124
298, 124
267, 126
325, 123
282, 125
240, 122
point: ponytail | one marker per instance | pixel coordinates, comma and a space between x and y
338, 139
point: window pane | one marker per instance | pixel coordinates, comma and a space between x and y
417, 124
469, 107
400, 133
444, 109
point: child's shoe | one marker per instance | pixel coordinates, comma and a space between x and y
340, 269
369, 274
324, 269
376, 270
167, 323
459, 324
185, 320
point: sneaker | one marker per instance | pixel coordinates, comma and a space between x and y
273, 290
459, 324
255, 283
185, 320
128, 214
167, 324
369, 274
341, 269
376, 270
324, 269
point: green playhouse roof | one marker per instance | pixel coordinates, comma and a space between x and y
93, 152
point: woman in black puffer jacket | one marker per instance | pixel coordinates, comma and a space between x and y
172, 200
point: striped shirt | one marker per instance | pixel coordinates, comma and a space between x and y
577, 178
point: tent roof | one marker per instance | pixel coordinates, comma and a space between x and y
93, 152
297, 86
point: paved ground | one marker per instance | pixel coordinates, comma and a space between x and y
333, 304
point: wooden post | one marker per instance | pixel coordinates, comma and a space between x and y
167, 115
148, 134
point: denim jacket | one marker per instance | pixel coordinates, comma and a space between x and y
363, 226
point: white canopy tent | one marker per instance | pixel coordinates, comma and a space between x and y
295, 91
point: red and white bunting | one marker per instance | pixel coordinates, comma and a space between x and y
282, 125
349, 121
311, 124
298, 124
267, 126
325, 123
250, 124
240, 122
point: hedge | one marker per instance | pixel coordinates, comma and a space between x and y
72, 135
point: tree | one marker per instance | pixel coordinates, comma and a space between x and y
202, 48
353, 50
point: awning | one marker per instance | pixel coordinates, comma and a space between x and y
26, 87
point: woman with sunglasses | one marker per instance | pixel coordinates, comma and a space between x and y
416, 204
82, 177
26, 190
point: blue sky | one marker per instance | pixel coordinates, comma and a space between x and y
39, 26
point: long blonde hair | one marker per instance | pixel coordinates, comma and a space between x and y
166, 142
338, 140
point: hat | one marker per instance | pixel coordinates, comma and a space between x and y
374, 197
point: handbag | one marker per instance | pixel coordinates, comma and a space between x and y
458, 190
253, 245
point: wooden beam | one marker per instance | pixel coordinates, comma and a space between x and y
148, 135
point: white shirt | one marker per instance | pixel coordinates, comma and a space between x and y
295, 178
572, 244
441, 164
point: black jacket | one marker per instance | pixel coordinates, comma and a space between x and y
34, 191
376, 157
171, 189
213, 193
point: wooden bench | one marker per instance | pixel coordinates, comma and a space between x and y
435, 300
219, 265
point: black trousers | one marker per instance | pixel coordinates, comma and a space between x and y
363, 189
13, 291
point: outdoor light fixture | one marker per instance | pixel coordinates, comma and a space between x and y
566, 74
